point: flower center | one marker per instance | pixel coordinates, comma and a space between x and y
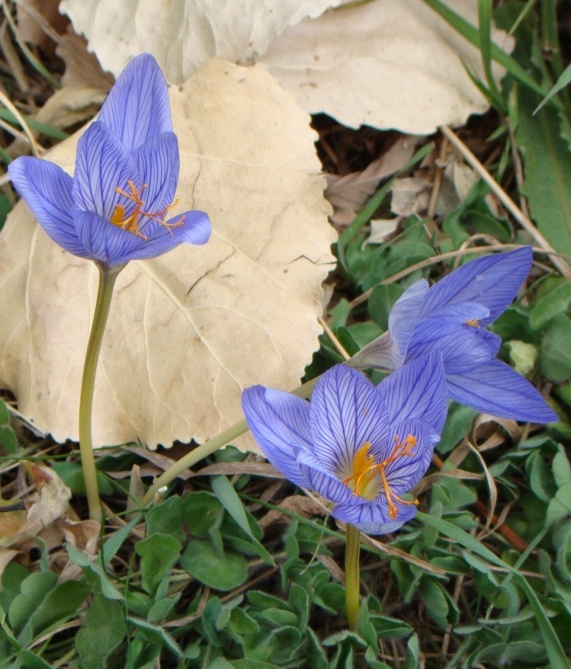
473, 323
368, 478
131, 222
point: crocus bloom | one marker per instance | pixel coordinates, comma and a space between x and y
360, 446
451, 318
117, 206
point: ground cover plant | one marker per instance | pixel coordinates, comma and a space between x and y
416, 511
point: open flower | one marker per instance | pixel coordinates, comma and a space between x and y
118, 205
360, 446
450, 317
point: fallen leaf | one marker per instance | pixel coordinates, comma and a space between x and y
71, 106
189, 330
348, 193
183, 34
386, 63
381, 230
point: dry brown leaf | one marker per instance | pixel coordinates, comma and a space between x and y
385, 63
71, 106
183, 34
348, 193
187, 331
81, 68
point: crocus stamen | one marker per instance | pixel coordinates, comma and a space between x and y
131, 223
363, 473
401, 449
473, 323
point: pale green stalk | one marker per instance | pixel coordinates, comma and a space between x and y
107, 277
352, 563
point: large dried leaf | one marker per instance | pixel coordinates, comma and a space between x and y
386, 63
187, 331
183, 34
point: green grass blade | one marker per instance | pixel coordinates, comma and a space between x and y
485, 30
563, 81
553, 646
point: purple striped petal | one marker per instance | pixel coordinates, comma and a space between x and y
373, 518
195, 229
346, 412
104, 241
405, 472
137, 108
462, 312
497, 389
158, 166
403, 318
46, 188
102, 166
462, 347
326, 484
492, 281
417, 391
280, 424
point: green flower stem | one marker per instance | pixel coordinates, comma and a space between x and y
107, 277
209, 447
352, 550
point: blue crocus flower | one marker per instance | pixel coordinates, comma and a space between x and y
360, 446
117, 206
450, 317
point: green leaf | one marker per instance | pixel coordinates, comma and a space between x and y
563, 81
553, 646
157, 634
33, 591
102, 632
381, 302
167, 518
555, 352
159, 552
219, 571
547, 170
555, 303
94, 572
229, 499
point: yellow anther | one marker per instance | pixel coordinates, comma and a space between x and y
473, 323
131, 223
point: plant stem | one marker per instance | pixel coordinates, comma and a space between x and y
352, 550
107, 277
209, 447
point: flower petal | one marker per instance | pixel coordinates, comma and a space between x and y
497, 389
326, 484
462, 347
462, 312
417, 391
158, 166
492, 281
46, 188
194, 229
404, 316
373, 518
102, 166
137, 108
405, 472
280, 424
346, 411
103, 241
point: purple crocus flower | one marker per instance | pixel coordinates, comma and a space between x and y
117, 206
450, 317
360, 446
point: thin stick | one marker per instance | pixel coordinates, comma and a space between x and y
331, 335
505, 199
29, 136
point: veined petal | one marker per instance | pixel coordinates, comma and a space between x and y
497, 389
46, 188
417, 391
373, 518
346, 412
492, 281
462, 312
326, 484
280, 424
104, 241
462, 347
404, 316
158, 166
137, 108
102, 166
405, 472
194, 229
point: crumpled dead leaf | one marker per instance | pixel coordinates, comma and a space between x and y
183, 34
187, 331
44, 506
386, 63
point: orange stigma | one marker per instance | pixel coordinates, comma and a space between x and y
368, 478
131, 223
473, 323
